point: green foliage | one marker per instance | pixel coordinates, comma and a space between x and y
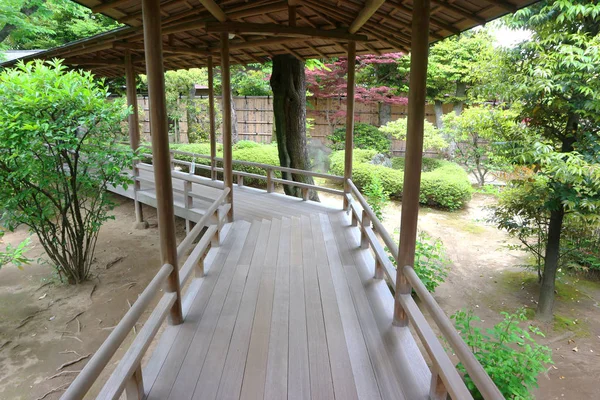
446, 186
365, 137
15, 254
431, 261
245, 144
509, 353
377, 197
198, 118
251, 80
428, 163
478, 131
58, 153
432, 139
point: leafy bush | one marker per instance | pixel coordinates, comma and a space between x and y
377, 197
508, 353
245, 144
15, 254
428, 164
431, 261
365, 137
446, 186
59, 152
432, 139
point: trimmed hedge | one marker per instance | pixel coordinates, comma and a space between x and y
243, 151
365, 136
446, 185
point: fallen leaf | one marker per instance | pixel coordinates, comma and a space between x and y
575, 349
43, 296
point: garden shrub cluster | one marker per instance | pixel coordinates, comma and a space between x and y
443, 184
365, 137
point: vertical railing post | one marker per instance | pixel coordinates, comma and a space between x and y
349, 119
305, 194
437, 389
134, 389
240, 180
137, 186
188, 203
227, 144
366, 222
211, 113
414, 152
270, 184
216, 239
151, 15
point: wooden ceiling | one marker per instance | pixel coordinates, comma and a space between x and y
263, 29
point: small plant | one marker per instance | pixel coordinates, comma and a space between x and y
15, 254
508, 353
365, 137
377, 197
431, 261
432, 138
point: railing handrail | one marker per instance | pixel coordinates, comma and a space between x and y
88, 375
482, 380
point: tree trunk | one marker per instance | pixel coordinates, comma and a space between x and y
289, 107
461, 94
546, 301
439, 113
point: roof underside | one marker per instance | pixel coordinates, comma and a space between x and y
191, 33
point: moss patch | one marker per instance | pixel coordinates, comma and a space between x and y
463, 225
566, 324
529, 281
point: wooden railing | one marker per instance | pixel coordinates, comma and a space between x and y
127, 377
269, 176
445, 377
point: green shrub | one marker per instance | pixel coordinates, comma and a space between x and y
377, 197
428, 164
507, 352
365, 137
15, 254
446, 186
432, 139
431, 261
245, 144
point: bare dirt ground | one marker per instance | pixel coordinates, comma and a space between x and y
38, 331
44, 324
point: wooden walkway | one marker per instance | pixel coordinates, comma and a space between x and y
288, 309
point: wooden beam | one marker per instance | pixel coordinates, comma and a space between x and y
365, 14
160, 150
166, 49
214, 9
414, 152
245, 27
292, 15
110, 4
457, 10
226, 97
211, 116
349, 119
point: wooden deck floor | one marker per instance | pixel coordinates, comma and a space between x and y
288, 309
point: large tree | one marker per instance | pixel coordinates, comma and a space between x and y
289, 107
555, 76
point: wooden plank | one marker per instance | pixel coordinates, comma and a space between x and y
321, 385
277, 361
208, 382
253, 385
298, 366
198, 347
233, 372
216, 279
364, 376
341, 369
405, 357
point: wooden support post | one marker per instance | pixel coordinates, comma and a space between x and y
292, 14
353, 219
188, 203
134, 389
366, 221
240, 180
414, 152
349, 119
134, 135
270, 183
379, 272
437, 390
211, 113
160, 149
172, 159
216, 239
200, 266
227, 145
305, 194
